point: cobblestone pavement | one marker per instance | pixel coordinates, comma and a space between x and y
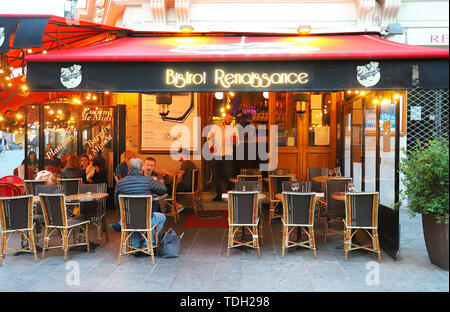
203, 266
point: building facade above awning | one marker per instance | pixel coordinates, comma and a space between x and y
239, 63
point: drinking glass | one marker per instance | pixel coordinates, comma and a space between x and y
350, 187
330, 172
338, 171
295, 186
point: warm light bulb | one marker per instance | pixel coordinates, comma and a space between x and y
24, 87
94, 97
266, 95
51, 112
106, 92
223, 114
362, 93
222, 109
231, 94
59, 111
1, 71
1, 118
19, 116
218, 95
396, 96
375, 101
228, 106
45, 51
349, 92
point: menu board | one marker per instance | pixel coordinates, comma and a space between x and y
158, 135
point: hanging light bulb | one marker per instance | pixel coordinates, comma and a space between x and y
266, 95
228, 106
218, 95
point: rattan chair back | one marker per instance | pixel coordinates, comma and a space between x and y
336, 185
135, 212
16, 213
54, 209
70, 185
243, 208
298, 208
304, 186
248, 186
317, 172
49, 189
361, 209
30, 186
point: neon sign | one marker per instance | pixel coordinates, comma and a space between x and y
227, 80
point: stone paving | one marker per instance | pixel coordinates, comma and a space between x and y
203, 266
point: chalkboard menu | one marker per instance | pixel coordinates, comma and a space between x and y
177, 130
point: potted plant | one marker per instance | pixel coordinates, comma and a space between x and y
425, 175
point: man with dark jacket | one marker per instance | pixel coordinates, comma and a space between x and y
136, 184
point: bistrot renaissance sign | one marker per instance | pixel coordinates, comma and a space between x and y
239, 76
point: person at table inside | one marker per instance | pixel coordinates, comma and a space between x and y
184, 173
99, 175
87, 167
149, 169
122, 168
72, 169
137, 184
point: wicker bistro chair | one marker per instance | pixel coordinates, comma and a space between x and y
304, 186
136, 215
171, 202
249, 177
334, 209
95, 210
70, 187
317, 172
30, 186
195, 192
16, 216
247, 186
298, 212
55, 216
8, 189
250, 171
361, 214
275, 187
243, 214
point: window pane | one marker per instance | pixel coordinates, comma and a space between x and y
319, 119
286, 120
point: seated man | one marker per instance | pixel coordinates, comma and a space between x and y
136, 184
122, 169
184, 174
149, 169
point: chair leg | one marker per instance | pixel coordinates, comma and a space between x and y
271, 212
312, 241
150, 246
376, 243
256, 240
347, 241
121, 247
33, 244
2, 247
230, 240
86, 238
325, 230
261, 231
283, 241
65, 244
45, 243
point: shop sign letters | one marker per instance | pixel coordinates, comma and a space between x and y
226, 79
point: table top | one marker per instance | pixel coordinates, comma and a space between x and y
80, 197
279, 196
323, 179
260, 196
338, 196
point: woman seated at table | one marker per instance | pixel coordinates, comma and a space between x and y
72, 169
24, 172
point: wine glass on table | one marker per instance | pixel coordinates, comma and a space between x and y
295, 186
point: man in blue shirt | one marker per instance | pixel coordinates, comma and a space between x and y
122, 168
137, 184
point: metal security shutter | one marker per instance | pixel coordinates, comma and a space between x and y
427, 113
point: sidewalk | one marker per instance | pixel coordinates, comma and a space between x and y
9, 161
203, 266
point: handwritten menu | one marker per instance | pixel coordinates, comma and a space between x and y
163, 135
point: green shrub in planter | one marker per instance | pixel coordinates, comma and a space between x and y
425, 169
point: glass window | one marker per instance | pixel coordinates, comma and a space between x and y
286, 119
319, 119
370, 146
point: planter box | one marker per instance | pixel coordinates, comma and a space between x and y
436, 240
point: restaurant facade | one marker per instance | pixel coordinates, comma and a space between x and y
336, 99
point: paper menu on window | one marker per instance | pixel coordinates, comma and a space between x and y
322, 135
316, 117
316, 101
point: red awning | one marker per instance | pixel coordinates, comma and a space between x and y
242, 48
